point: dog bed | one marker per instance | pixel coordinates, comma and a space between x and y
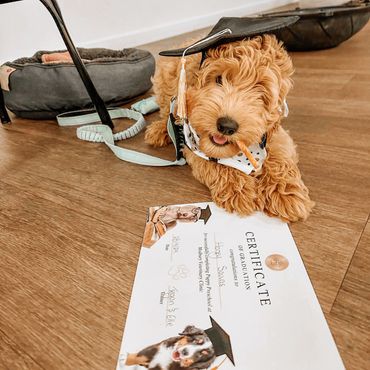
322, 28
40, 90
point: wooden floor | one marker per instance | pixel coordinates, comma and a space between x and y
72, 217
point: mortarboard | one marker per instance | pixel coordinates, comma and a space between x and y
229, 29
220, 340
205, 214
226, 30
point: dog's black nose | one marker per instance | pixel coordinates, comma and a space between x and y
227, 126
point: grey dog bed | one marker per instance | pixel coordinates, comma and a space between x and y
42, 91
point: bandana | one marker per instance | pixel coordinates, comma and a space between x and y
239, 161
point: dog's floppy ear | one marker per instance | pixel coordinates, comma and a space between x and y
280, 64
191, 330
276, 78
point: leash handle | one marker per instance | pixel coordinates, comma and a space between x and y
103, 133
100, 133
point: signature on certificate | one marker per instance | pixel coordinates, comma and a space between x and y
170, 298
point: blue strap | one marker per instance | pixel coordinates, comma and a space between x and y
99, 133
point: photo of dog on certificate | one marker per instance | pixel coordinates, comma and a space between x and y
234, 140
162, 219
193, 348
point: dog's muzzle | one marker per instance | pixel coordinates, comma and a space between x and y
239, 161
184, 134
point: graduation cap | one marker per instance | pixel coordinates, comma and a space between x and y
229, 29
205, 214
220, 340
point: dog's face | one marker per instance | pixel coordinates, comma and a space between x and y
194, 350
237, 94
188, 213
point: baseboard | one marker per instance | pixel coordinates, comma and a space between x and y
147, 35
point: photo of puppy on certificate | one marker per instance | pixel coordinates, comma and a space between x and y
193, 348
162, 219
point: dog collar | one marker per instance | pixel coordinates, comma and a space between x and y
239, 161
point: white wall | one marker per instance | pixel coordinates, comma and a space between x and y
26, 26
317, 3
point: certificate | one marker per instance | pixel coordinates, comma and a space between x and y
217, 291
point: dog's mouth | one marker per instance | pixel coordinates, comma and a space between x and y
176, 356
219, 140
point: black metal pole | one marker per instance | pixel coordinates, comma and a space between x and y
53, 8
4, 117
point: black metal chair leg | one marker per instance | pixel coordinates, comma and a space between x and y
4, 117
53, 8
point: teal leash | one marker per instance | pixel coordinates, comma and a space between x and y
99, 133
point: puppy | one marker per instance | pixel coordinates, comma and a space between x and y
192, 349
237, 95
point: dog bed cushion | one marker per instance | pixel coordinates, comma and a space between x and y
42, 91
323, 28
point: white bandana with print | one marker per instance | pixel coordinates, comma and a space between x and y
239, 161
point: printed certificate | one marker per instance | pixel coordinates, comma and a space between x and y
214, 290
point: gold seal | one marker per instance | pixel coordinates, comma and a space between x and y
277, 262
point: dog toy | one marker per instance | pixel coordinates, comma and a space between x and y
62, 57
146, 106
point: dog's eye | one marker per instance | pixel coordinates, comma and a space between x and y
219, 80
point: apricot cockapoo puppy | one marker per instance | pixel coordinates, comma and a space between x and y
237, 95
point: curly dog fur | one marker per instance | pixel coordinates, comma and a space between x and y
246, 81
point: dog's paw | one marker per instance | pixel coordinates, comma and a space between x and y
240, 203
238, 194
156, 134
294, 204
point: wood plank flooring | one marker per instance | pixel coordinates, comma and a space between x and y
72, 217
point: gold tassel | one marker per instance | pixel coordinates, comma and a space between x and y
181, 92
218, 366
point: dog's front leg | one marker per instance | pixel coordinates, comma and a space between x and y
230, 189
280, 186
136, 359
156, 134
